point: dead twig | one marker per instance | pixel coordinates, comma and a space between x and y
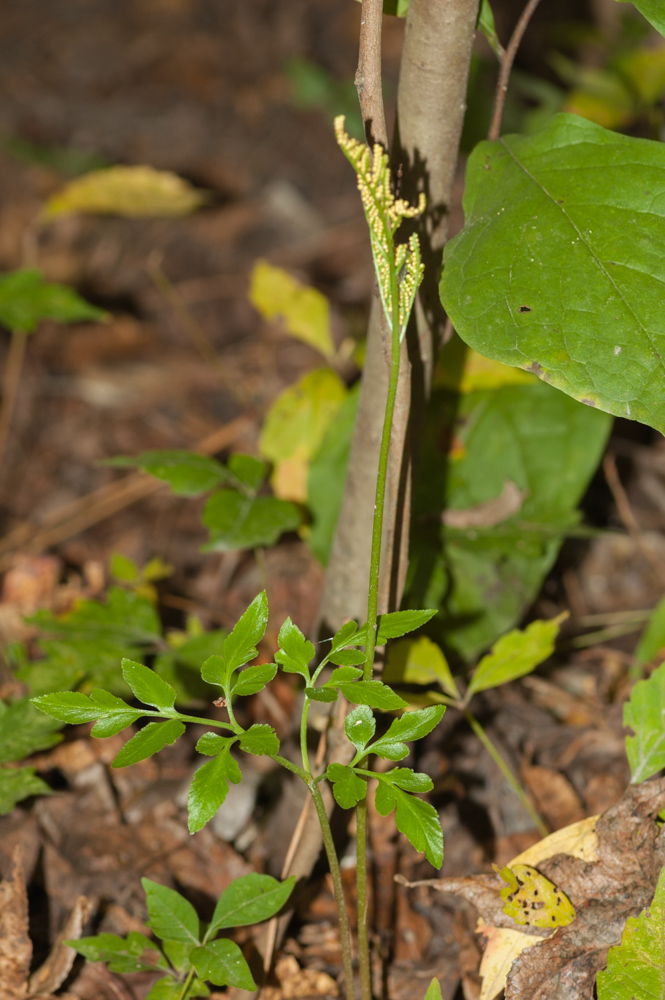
506, 67
627, 516
10, 383
368, 74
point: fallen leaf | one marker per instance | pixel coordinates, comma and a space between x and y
127, 191
15, 944
490, 512
53, 972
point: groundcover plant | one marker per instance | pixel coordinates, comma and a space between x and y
558, 271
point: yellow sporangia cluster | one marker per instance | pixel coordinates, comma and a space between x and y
384, 213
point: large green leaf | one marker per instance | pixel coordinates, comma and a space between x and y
26, 299
645, 714
636, 968
249, 900
560, 266
483, 577
172, 917
653, 10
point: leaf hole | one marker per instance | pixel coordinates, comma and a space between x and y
525, 309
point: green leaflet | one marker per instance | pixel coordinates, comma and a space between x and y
120, 954
559, 268
209, 788
187, 474
515, 655
347, 787
26, 299
17, 784
416, 819
222, 962
652, 639
148, 741
172, 917
249, 900
645, 714
635, 968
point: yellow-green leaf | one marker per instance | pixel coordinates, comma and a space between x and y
294, 428
419, 661
516, 654
128, 191
305, 311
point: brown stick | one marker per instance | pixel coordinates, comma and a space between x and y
10, 383
627, 516
368, 75
506, 66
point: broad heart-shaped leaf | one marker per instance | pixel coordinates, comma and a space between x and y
348, 787
360, 726
187, 473
559, 268
209, 788
236, 521
635, 968
260, 739
17, 784
372, 693
148, 741
516, 654
295, 652
222, 963
253, 679
644, 712
26, 299
416, 819
483, 579
148, 686
121, 954
249, 900
652, 10
410, 726
172, 917
240, 644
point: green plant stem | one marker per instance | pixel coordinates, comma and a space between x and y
304, 751
187, 984
364, 961
336, 874
377, 529
505, 770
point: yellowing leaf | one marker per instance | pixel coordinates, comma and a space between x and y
294, 429
128, 191
503, 946
479, 373
305, 311
645, 69
532, 900
598, 108
419, 661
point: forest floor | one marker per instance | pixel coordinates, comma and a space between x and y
200, 88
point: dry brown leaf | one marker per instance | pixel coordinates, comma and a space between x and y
53, 972
556, 799
490, 512
15, 944
128, 191
296, 982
